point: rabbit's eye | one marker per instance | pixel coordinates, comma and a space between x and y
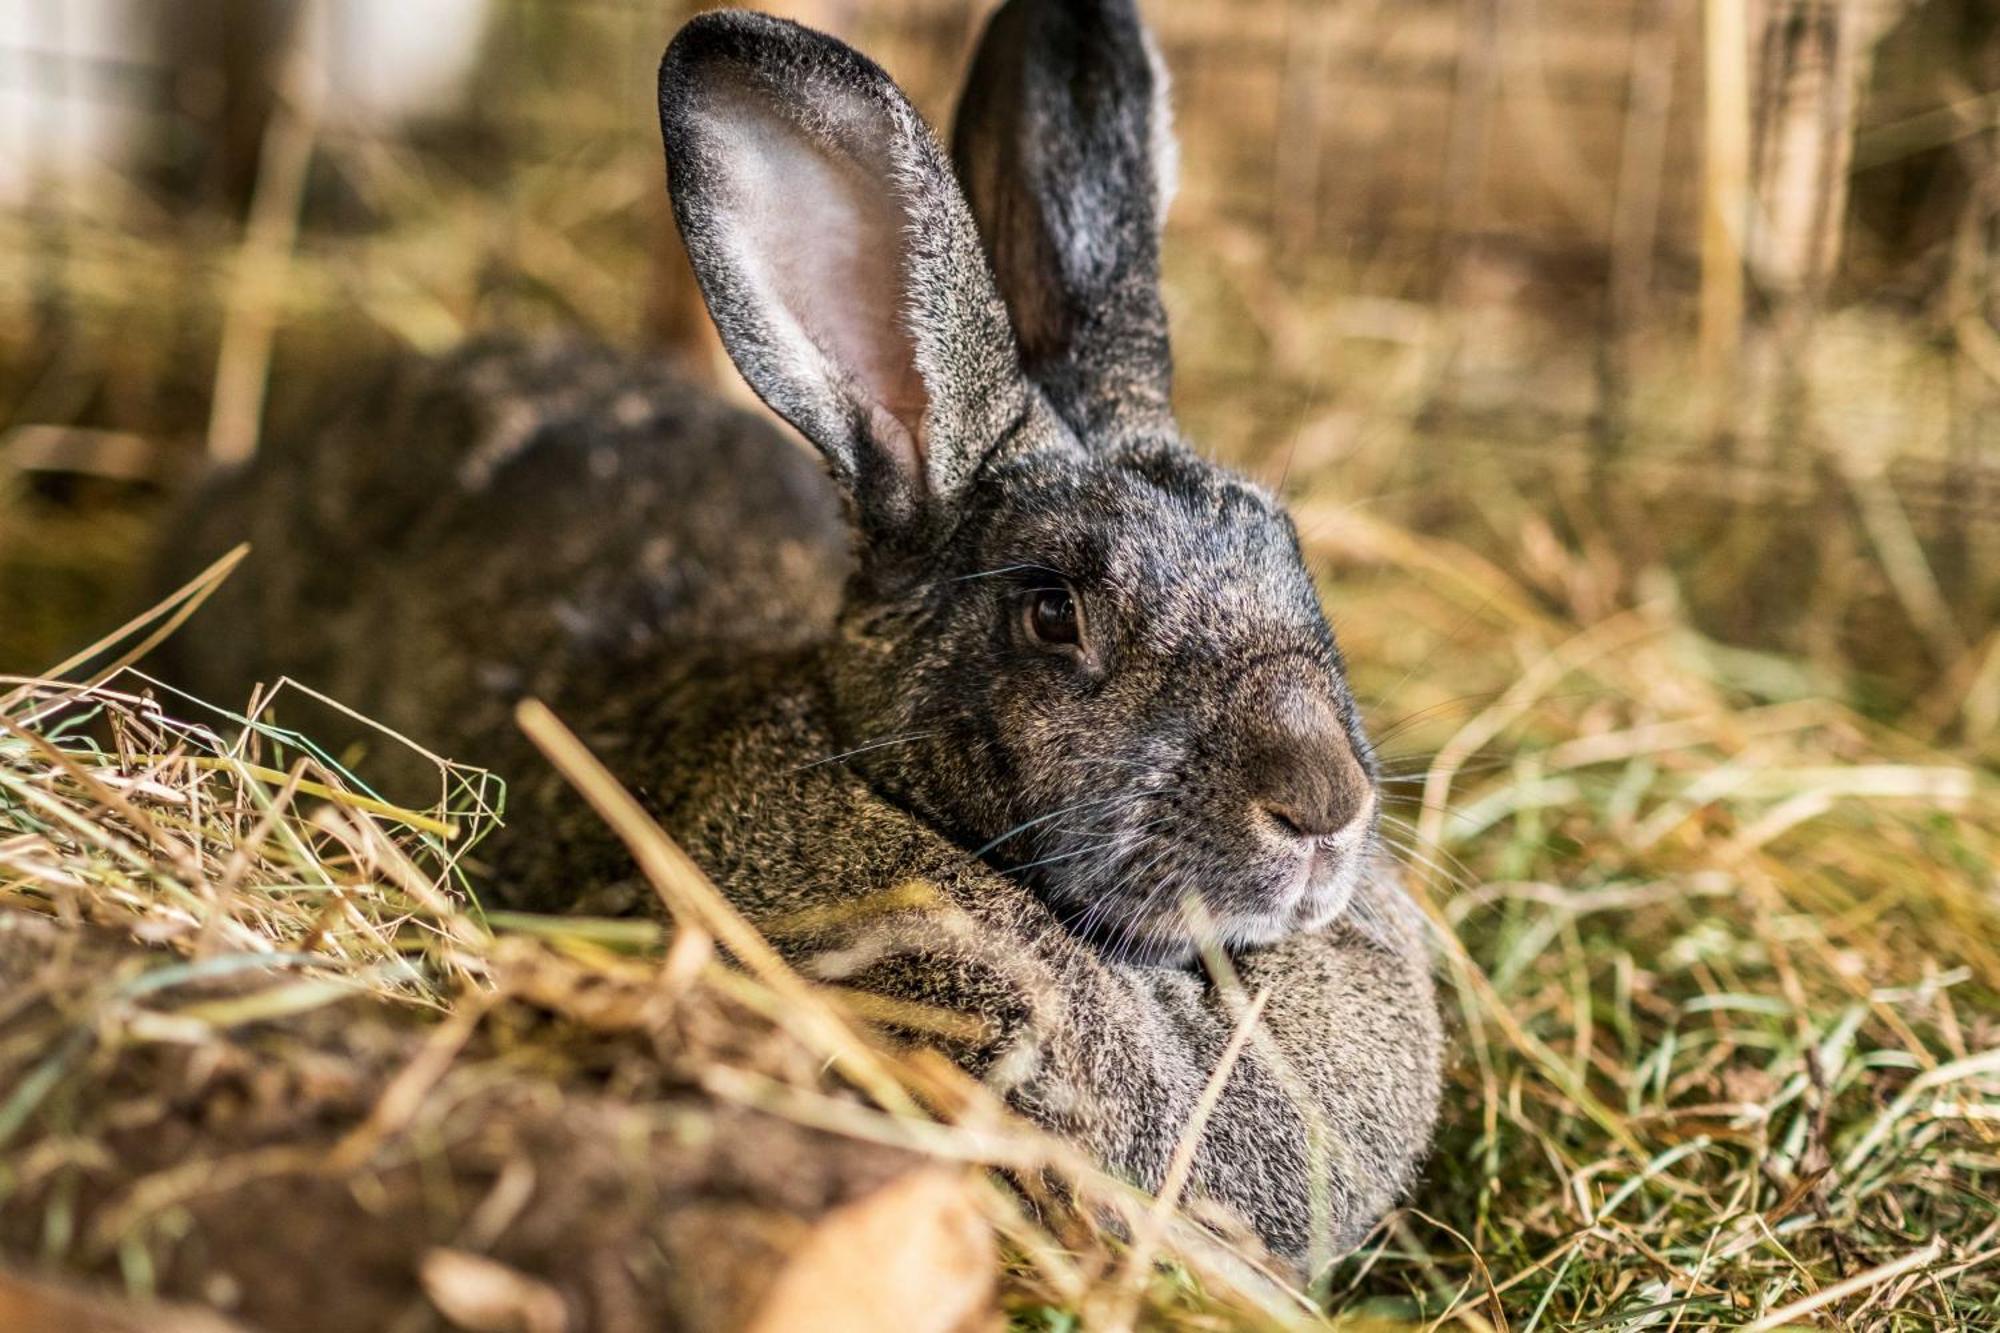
1052, 617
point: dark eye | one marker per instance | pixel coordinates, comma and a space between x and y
1052, 617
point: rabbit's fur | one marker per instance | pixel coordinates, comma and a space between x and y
828, 692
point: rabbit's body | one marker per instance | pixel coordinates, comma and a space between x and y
516, 519
1016, 642
1336, 1098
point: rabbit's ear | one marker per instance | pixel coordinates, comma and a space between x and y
839, 261
1064, 144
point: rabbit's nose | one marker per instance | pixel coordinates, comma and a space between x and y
1308, 783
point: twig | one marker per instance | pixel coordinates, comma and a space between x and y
243, 362
1725, 190
1903, 562
1152, 1227
175, 609
688, 895
1785, 1314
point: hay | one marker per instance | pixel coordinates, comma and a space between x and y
1726, 969
1727, 965
1695, 745
238, 987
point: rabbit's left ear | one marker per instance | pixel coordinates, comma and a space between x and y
839, 263
1064, 146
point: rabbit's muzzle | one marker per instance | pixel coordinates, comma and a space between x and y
1306, 782
1262, 827
1311, 800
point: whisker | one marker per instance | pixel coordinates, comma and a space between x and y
863, 749
1096, 829
1397, 726
1414, 837
1062, 856
1409, 826
1105, 901
1465, 622
1056, 814
1413, 859
1008, 569
1122, 934
1423, 764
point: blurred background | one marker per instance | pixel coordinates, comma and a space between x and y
1627, 296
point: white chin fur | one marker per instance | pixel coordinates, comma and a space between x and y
1322, 904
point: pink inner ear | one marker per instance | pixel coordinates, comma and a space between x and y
821, 233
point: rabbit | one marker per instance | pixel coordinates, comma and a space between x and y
1002, 632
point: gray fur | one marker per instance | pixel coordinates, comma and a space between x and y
1064, 144
818, 721
854, 209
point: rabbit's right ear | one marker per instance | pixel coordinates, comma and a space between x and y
839, 262
1064, 144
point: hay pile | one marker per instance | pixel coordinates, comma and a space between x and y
1726, 966
263, 1051
1727, 955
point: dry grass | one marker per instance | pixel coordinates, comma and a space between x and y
1725, 966
242, 855
1698, 750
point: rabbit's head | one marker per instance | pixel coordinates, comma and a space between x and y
1071, 642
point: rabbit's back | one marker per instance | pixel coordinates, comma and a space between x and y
504, 522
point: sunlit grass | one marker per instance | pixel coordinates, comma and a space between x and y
1723, 966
